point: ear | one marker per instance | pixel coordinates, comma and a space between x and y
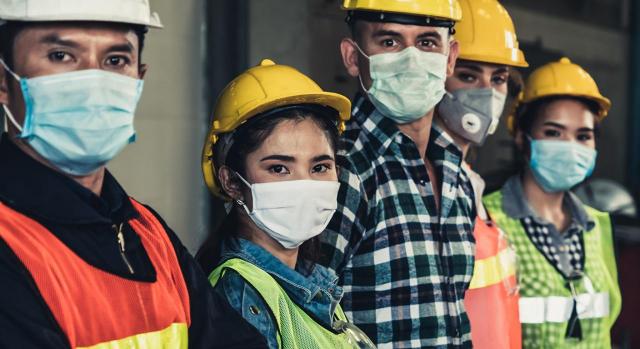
350, 56
4, 86
230, 183
520, 140
142, 71
454, 50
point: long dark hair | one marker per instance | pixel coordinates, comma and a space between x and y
246, 139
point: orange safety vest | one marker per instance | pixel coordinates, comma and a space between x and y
94, 308
492, 298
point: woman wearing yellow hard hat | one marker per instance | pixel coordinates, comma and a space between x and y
569, 295
470, 111
271, 152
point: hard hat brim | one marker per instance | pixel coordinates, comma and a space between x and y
153, 22
520, 62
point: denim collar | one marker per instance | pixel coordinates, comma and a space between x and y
516, 206
311, 286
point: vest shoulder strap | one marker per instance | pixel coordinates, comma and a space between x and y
264, 283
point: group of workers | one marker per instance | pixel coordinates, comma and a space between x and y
349, 225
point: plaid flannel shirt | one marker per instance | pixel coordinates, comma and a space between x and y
404, 266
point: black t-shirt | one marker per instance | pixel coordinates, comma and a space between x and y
84, 222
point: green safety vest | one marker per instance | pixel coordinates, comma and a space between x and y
545, 300
296, 328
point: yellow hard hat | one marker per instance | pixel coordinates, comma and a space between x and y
435, 9
561, 78
564, 78
258, 90
486, 34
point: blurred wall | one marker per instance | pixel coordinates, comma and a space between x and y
162, 168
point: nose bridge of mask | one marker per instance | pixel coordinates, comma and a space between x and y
410, 61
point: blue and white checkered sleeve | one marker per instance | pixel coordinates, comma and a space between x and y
348, 226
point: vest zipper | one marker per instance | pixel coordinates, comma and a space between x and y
120, 236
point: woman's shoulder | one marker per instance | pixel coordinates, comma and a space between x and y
248, 302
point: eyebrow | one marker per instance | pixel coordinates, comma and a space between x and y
285, 158
554, 124
434, 34
385, 32
586, 129
324, 157
55, 39
477, 69
128, 47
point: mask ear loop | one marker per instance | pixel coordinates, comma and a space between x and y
367, 57
7, 112
240, 202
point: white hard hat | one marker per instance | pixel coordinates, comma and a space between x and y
117, 11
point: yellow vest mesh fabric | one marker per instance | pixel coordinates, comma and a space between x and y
296, 329
538, 278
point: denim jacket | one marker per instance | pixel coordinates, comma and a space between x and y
311, 286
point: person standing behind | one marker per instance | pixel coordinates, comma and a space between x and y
82, 264
401, 239
470, 112
567, 273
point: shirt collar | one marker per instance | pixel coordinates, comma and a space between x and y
381, 130
305, 284
384, 131
40, 192
516, 206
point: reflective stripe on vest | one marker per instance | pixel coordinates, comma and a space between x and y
296, 328
493, 270
537, 310
119, 312
492, 299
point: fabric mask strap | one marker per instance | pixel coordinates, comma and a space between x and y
9, 115
239, 201
7, 112
367, 57
6, 67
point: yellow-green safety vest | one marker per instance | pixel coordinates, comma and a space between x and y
546, 302
296, 329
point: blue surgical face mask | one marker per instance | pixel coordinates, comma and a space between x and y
406, 85
560, 165
79, 120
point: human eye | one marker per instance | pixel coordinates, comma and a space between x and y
498, 80
321, 168
60, 56
551, 133
585, 137
117, 61
279, 169
466, 77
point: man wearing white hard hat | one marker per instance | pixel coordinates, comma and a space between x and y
82, 264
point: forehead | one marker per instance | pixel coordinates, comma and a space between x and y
481, 67
406, 30
295, 137
80, 32
566, 112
